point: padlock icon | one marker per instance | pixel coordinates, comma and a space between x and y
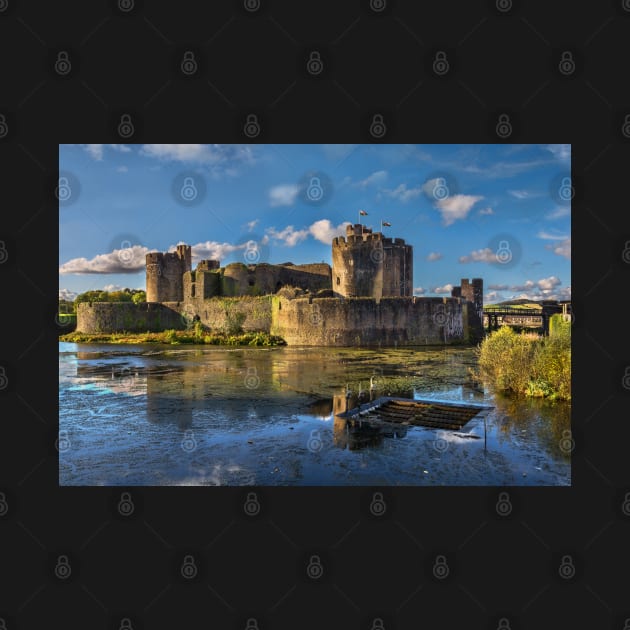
567, 443
378, 5
315, 570
315, 191
440, 568
377, 127
62, 63
125, 126
63, 191
625, 4
188, 442
252, 127
252, 256
126, 5
440, 189
625, 128
62, 568
504, 5
251, 5
504, 505
125, 505
189, 190
252, 505
567, 63
252, 380
63, 441
4, 5
125, 253
440, 444
504, 253
4, 506
189, 568
378, 505
189, 63
378, 624
4, 254
566, 568
626, 378
315, 64
252, 624
3, 623
440, 63
315, 441
504, 624
4, 379
566, 190
4, 128
504, 126
125, 624
625, 506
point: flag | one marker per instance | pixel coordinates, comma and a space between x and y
386, 224
363, 213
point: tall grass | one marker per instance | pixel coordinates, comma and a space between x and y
528, 364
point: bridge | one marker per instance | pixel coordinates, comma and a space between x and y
493, 317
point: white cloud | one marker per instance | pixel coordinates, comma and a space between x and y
479, 255
123, 148
559, 212
283, 195
213, 250
252, 224
563, 248
66, 294
112, 287
529, 284
95, 151
290, 236
456, 207
447, 288
324, 231
222, 159
487, 211
402, 193
548, 236
128, 260
378, 177
520, 194
561, 152
492, 296
419, 291
548, 283
433, 256
122, 169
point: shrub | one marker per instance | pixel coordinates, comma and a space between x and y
528, 364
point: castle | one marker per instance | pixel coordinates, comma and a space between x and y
366, 298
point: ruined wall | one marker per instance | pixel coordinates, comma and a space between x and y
108, 317
216, 313
264, 279
368, 322
165, 271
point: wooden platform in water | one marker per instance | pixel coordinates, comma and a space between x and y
434, 414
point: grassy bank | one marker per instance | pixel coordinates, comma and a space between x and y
528, 364
178, 337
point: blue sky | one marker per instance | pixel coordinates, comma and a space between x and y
499, 212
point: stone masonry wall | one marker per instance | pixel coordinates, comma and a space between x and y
366, 322
107, 317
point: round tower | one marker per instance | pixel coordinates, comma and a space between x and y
366, 264
165, 274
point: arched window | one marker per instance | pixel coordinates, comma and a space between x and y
338, 281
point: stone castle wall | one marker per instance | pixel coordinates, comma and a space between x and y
369, 322
165, 272
108, 317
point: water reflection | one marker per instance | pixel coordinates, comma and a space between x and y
252, 411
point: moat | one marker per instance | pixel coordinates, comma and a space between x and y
204, 415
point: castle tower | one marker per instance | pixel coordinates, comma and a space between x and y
165, 273
366, 264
